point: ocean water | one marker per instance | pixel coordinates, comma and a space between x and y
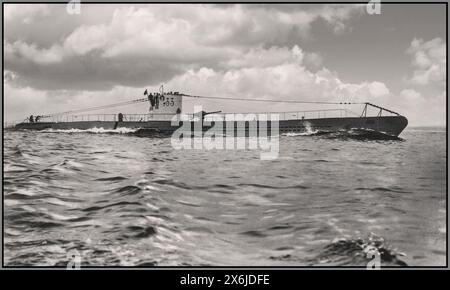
115, 199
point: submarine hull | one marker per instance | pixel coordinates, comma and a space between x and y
390, 125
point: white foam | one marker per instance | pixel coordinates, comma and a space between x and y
62, 217
26, 192
101, 130
11, 202
309, 131
8, 168
152, 207
299, 134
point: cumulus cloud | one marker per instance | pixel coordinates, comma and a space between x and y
428, 60
26, 13
422, 110
426, 101
32, 54
148, 44
411, 95
293, 81
23, 101
286, 80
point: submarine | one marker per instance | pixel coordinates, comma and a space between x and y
165, 117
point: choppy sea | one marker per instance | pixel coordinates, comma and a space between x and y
116, 199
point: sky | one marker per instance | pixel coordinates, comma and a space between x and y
56, 61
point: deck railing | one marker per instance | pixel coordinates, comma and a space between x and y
299, 115
290, 115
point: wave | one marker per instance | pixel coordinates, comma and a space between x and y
15, 168
257, 234
139, 232
182, 185
385, 189
358, 134
128, 190
115, 204
291, 134
371, 252
352, 134
369, 134
115, 178
359, 252
299, 186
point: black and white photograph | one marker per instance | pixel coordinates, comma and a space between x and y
200, 135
